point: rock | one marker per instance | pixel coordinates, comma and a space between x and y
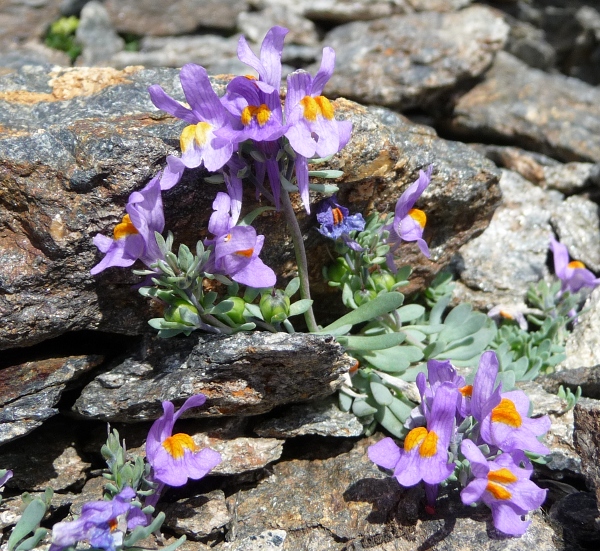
407, 61
529, 44
498, 266
97, 36
322, 418
265, 541
244, 374
147, 17
572, 177
577, 225
20, 21
583, 347
552, 114
587, 444
57, 464
576, 517
29, 391
81, 140
199, 516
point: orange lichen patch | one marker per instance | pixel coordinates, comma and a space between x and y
418, 216
177, 444
70, 83
575, 264
506, 412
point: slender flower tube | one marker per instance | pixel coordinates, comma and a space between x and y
101, 523
175, 457
573, 275
133, 238
503, 485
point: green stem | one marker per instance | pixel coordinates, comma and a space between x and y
292, 222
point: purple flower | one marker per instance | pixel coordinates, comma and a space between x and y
199, 141
268, 66
313, 129
503, 416
101, 523
5, 477
509, 428
438, 373
236, 248
504, 486
507, 312
335, 220
573, 275
134, 236
175, 457
425, 453
408, 223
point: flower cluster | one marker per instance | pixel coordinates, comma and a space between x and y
476, 429
574, 276
171, 460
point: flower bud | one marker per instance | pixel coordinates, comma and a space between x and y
174, 313
236, 314
364, 295
383, 280
275, 305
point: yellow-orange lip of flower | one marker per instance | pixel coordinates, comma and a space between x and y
418, 216
124, 228
576, 264
506, 412
261, 113
177, 444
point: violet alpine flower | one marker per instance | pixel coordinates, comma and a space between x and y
408, 222
101, 523
236, 248
425, 453
438, 373
503, 485
573, 275
313, 130
133, 237
199, 142
508, 312
5, 477
175, 457
335, 220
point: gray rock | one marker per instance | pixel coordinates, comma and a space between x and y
576, 516
20, 21
498, 266
552, 114
323, 418
571, 177
29, 392
265, 541
528, 43
32, 52
199, 516
577, 225
583, 346
151, 18
81, 140
406, 61
245, 374
97, 36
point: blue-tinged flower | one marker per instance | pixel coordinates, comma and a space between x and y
438, 373
199, 142
176, 457
336, 220
503, 485
313, 130
133, 238
508, 312
268, 66
8, 474
425, 452
573, 275
101, 523
408, 222
485, 394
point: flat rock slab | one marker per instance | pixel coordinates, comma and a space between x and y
77, 142
552, 114
29, 391
245, 374
406, 61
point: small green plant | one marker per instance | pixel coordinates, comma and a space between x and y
61, 36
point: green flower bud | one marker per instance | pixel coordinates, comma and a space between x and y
236, 314
174, 312
383, 280
337, 270
365, 295
275, 305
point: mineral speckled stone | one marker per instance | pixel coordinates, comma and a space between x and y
244, 374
